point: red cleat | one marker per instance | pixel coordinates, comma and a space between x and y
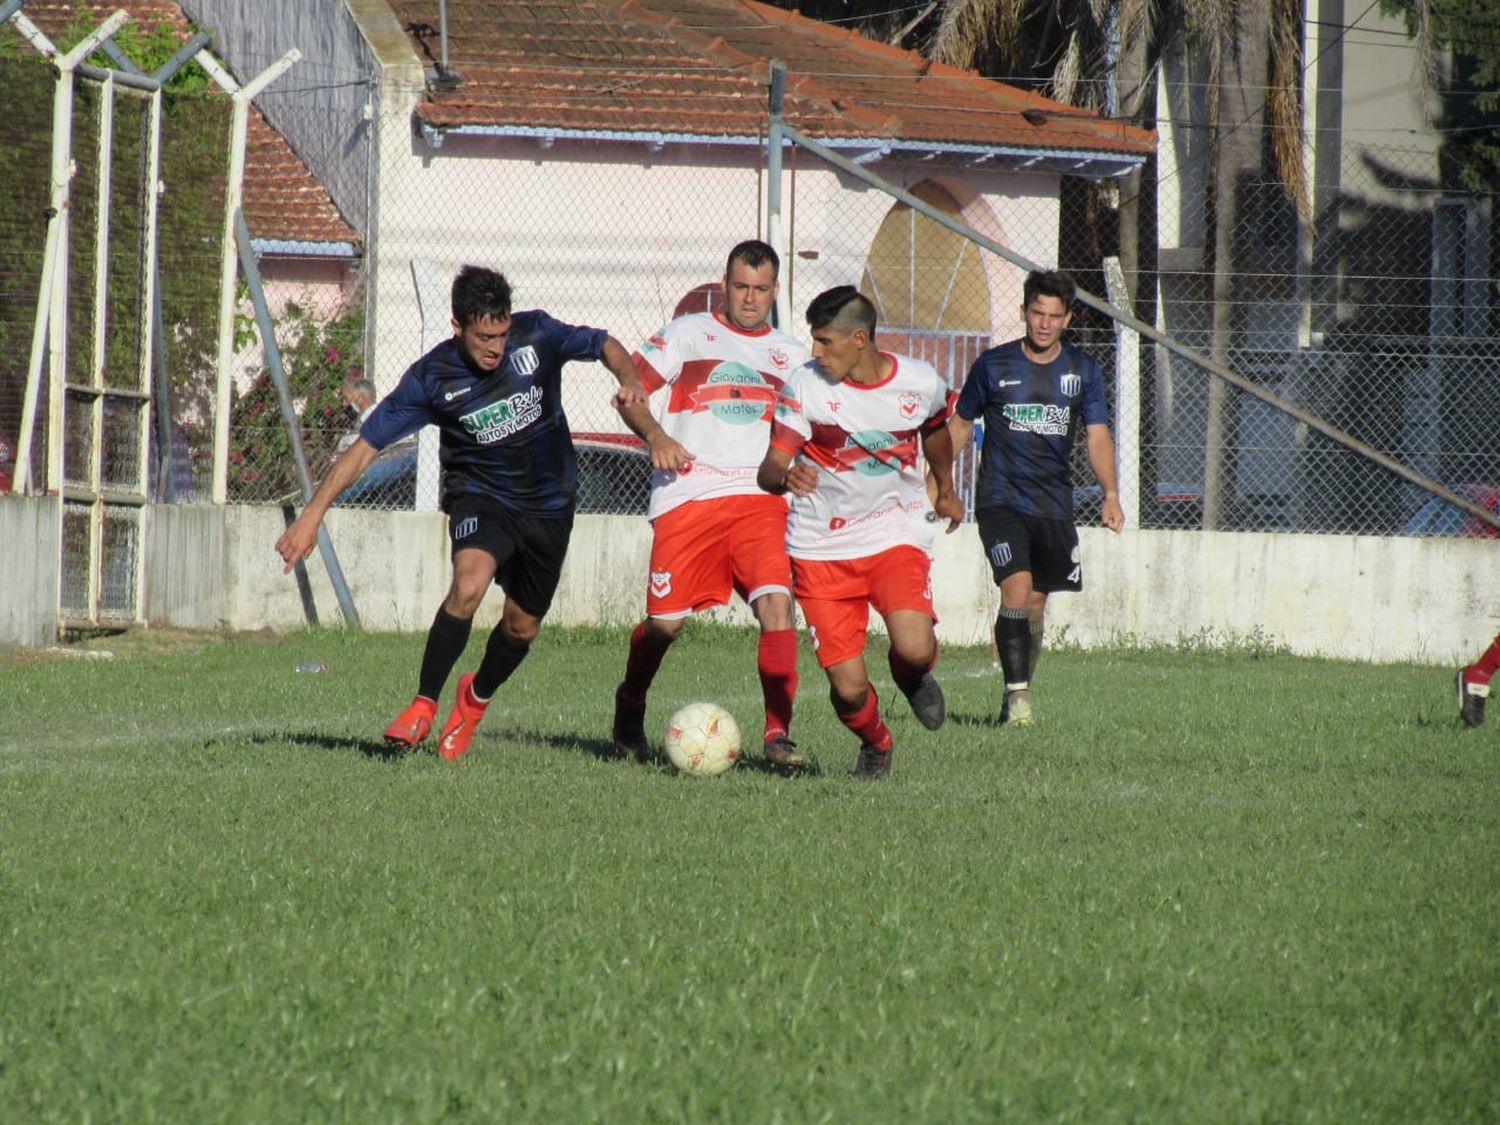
412, 725
453, 744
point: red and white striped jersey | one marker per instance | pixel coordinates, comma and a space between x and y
866, 440
723, 385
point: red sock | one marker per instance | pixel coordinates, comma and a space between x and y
776, 659
645, 658
867, 723
1482, 669
906, 674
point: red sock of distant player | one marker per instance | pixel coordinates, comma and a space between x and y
1482, 669
867, 723
646, 652
776, 660
907, 674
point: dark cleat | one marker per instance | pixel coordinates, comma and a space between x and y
629, 732
780, 752
1471, 697
874, 763
927, 703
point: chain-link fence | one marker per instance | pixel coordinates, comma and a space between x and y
1379, 319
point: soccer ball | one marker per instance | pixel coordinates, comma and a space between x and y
703, 739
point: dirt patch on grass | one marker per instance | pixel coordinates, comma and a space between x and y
110, 644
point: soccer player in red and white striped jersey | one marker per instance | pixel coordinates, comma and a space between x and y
714, 532
845, 443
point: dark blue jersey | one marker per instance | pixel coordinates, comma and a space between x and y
503, 432
1030, 413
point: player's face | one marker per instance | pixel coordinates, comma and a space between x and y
837, 352
1047, 318
483, 340
750, 291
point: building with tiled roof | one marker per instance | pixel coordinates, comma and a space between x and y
605, 154
287, 210
671, 70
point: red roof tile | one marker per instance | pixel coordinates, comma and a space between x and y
284, 202
700, 68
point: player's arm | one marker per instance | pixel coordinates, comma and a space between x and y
635, 411
778, 474
617, 360
960, 430
1102, 460
937, 447
299, 540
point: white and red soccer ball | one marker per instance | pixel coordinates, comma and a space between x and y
703, 740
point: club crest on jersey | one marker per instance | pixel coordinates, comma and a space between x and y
524, 361
735, 393
1071, 384
779, 358
909, 401
661, 583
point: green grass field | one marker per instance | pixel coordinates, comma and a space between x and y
1206, 887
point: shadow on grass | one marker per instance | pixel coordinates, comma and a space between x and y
604, 750
370, 748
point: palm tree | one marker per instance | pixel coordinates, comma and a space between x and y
1106, 54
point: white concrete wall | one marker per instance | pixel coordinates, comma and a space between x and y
1383, 600
29, 545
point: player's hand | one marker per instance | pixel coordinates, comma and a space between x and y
948, 506
631, 394
1111, 514
668, 453
296, 544
802, 479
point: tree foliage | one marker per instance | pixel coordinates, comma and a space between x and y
1468, 114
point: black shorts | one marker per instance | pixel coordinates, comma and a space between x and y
528, 550
1015, 542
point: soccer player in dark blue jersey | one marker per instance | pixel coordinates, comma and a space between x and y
1031, 394
509, 478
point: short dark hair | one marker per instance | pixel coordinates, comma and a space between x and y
754, 253
843, 308
1048, 283
480, 294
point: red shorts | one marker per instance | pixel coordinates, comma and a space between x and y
835, 596
704, 549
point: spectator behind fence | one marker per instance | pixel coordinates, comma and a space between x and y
358, 397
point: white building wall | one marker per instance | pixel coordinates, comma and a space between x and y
1345, 597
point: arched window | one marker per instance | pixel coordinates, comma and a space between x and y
929, 286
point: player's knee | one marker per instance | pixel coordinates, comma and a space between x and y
462, 603
848, 697
664, 630
773, 611
520, 631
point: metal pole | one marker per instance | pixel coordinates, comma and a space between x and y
775, 230
289, 413
234, 189
1151, 332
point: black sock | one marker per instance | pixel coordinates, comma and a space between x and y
501, 658
445, 644
1036, 647
1013, 639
